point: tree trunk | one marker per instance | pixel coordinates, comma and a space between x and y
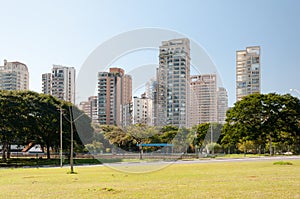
141, 151
271, 147
48, 151
259, 149
4, 152
8, 151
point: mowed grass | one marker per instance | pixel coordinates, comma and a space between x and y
205, 180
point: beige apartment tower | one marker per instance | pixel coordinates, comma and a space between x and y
90, 108
209, 102
114, 97
248, 72
14, 76
203, 99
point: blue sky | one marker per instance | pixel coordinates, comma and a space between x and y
42, 33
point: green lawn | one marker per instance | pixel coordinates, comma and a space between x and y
207, 180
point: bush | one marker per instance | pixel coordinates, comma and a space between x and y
282, 163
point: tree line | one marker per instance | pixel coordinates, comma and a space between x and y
256, 124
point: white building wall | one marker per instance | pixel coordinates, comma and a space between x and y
143, 111
61, 83
248, 72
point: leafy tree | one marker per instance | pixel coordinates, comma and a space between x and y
116, 136
168, 133
247, 147
27, 116
182, 140
262, 118
12, 126
140, 134
205, 134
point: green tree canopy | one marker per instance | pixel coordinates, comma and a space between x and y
28, 116
262, 118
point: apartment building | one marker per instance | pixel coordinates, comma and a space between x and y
248, 73
14, 76
60, 83
114, 97
142, 110
90, 108
172, 94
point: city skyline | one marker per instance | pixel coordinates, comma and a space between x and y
38, 41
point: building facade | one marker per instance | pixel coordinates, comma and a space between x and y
222, 104
47, 83
90, 108
142, 110
60, 83
114, 97
14, 76
248, 73
209, 102
173, 82
203, 99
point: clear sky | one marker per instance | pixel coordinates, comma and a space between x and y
42, 33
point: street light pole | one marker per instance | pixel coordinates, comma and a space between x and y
72, 140
60, 144
211, 139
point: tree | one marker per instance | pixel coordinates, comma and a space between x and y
28, 117
141, 133
116, 136
13, 126
206, 133
262, 118
168, 133
45, 120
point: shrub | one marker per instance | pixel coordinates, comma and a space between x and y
282, 163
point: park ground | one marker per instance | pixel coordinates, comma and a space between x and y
239, 179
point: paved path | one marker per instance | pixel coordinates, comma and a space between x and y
202, 161
199, 161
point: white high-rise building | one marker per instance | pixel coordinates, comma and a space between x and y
142, 110
173, 84
247, 72
47, 83
222, 103
60, 83
14, 76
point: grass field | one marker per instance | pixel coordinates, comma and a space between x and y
205, 180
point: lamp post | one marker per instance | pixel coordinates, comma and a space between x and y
72, 140
211, 139
60, 141
195, 144
72, 120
